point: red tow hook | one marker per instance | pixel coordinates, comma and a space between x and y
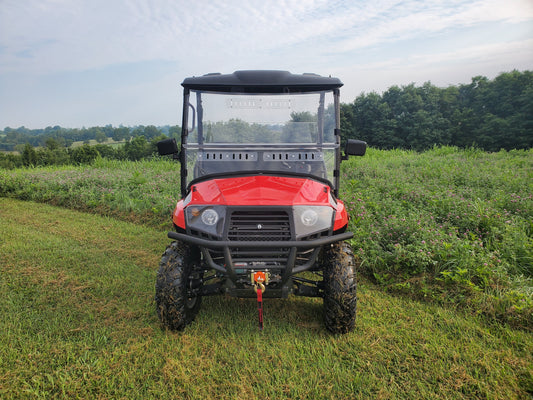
259, 287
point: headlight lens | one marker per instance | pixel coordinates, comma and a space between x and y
209, 217
312, 219
309, 217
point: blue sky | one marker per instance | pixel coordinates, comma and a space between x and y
80, 63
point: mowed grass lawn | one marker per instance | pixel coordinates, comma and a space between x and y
78, 321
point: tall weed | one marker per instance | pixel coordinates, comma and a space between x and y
142, 190
452, 225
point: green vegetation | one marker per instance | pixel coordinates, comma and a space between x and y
490, 115
144, 191
13, 139
447, 225
53, 153
78, 321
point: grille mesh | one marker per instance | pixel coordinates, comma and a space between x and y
266, 226
259, 225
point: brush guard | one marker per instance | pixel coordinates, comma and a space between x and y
288, 269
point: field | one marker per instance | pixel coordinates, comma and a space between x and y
448, 225
452, 225
78, 321
444, 242
109, 141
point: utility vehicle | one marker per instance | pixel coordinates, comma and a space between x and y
259, 216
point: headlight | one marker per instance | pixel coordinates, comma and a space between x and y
309, 217
206, 219
209, 217
312, 219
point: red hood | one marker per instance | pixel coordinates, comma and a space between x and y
261, 190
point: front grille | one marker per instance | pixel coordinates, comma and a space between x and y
259, 225
245, 225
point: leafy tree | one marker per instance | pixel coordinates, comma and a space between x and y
300, 129
52, 144
29, 155
100, 136
137, 148
84, 154
106, 151
138, 131
121, 133
151, 132
153, 143
52, 156
10, 161
175, 132
489, 114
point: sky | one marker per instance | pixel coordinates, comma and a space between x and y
83, 63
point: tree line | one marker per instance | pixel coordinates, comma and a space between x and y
487, 114
14, 139
53, 145
53, 153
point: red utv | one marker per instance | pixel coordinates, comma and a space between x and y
260, 215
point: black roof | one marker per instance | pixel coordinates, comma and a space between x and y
261, 81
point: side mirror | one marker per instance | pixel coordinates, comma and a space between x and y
167, 146
355, 148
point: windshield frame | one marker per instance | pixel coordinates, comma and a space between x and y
332, 145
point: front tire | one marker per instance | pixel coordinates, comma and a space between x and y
176, 303
340, 289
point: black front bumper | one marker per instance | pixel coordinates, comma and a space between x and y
226, 245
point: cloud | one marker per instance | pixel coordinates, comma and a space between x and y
54, 35
104, 52
399, 21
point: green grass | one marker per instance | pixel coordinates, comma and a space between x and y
78, 321
448, 226
145, 191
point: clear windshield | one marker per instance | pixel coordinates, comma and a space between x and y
286, 133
